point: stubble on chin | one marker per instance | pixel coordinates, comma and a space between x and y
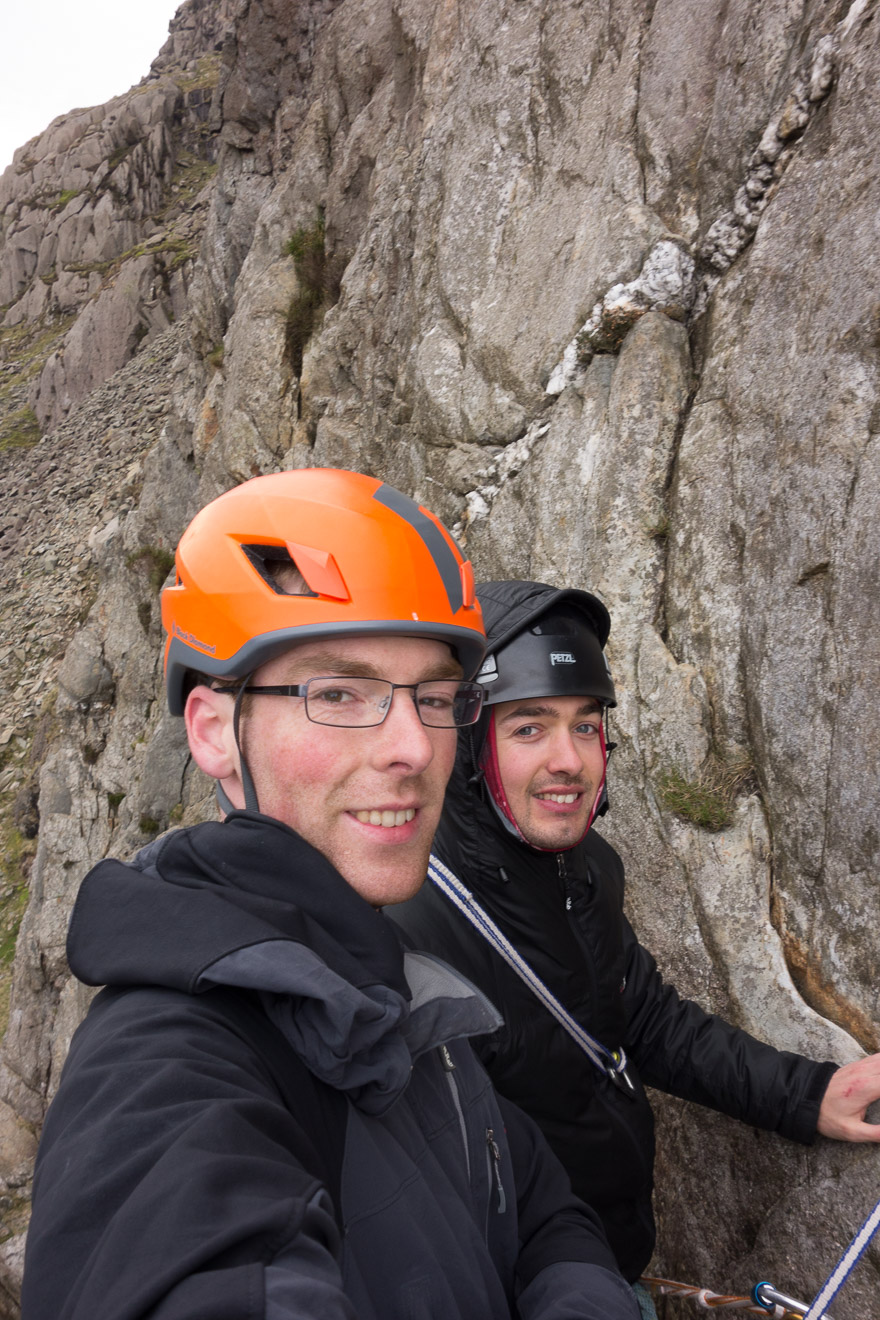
383, 883
555, 840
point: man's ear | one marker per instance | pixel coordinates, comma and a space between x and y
208, 717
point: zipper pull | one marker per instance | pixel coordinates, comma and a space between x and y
495, 1157
446, 1057
563, 878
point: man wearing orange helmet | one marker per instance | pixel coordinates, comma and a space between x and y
273, 1111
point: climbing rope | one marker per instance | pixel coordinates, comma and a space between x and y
611, 1063
844, 1267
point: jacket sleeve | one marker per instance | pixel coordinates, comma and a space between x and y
566, 1269
679, 1048
171, 1180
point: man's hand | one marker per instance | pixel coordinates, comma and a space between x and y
850, 1091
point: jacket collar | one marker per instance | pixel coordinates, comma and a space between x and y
249, 903
214, 888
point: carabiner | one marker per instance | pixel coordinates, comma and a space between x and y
767, 1296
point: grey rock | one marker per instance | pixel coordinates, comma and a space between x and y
83, 674
695, 184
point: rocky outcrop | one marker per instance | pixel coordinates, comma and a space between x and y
62, 503
604, 297
100, 218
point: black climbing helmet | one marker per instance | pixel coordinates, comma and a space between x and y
557, 651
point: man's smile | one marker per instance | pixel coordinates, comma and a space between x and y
384, 817
559, 795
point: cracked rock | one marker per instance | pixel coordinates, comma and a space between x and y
665, 284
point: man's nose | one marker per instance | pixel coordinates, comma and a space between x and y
404, 737
565, 756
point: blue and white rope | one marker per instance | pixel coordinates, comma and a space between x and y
607, 1061
844, 1267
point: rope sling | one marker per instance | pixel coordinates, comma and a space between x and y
765, 1300
712, 1301
610, 1063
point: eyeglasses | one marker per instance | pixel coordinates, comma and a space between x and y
360, 703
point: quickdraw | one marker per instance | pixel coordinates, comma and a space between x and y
765, 1300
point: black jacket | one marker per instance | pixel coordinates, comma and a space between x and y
564, 913
273, 1113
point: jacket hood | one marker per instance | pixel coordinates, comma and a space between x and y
248, 903
205, 892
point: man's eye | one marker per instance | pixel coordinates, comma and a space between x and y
336, 696
436, 700
526, 730
589, 729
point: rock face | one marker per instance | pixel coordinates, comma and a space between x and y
100, 218
597, 285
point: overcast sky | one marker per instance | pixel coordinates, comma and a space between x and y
60, 55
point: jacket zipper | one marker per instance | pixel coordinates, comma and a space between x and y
590, 970
589, 967
563, 880
494, 1157
449, 1070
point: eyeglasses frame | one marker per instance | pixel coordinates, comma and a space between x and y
301, 690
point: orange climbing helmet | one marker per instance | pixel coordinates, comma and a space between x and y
371, 559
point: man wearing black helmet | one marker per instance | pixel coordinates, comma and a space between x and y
538, 884
272, 1110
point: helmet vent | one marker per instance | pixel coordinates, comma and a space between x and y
278, 569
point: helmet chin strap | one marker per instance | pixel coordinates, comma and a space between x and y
498, 797
492, 775
250, 793
224, 802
